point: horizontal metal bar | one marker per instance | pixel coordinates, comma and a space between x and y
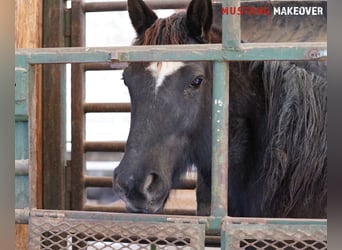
118, 146
165, 4
122, 5
200, 52
283, 221
106, 107
94, 181
101, 215
22, 216
122, 210
21, 167
105, 66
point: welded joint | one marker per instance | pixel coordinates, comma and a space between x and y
119, 56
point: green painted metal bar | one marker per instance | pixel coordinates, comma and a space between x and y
231, 32
21, 153
204, 52
23, 72
220, 139
22, 69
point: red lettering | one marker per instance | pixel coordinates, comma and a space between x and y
246, 10
260, 10
267, 11
252, 11
239, 11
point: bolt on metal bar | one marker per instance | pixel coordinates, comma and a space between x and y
219, 203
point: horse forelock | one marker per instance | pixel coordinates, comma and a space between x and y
173, 30
170, 30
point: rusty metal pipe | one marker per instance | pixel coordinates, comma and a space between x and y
121, 209
106, 107
116, 146
94, 181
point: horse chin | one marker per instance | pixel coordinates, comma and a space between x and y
151, 209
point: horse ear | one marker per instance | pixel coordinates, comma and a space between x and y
141, 15
199, 17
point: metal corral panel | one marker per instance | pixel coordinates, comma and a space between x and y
274, 234
90, 230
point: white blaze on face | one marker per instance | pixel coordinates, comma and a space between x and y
160, 70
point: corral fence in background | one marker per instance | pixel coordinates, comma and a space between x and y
58, 228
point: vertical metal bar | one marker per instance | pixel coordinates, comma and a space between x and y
220, 139
77, 115
53, 110
231, 33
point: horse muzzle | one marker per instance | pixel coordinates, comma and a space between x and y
146, 194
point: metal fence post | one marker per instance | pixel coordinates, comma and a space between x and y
220, 140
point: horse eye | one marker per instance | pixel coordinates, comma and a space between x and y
197, 82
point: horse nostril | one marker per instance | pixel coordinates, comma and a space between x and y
152, 183
123, 184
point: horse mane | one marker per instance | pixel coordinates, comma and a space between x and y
295, 158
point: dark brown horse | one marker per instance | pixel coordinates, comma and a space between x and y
277, 125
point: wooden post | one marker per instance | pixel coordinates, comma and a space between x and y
28, 34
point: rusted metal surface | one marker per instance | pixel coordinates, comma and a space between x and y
106, 107
77, 115
93, 181
53, 114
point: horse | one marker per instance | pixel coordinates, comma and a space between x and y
277, 125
